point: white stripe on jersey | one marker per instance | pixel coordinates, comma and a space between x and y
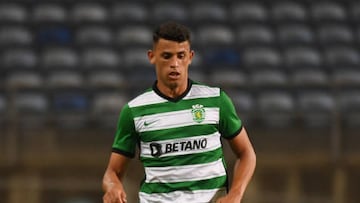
201, 91
196, 196
146, 98
197, 91
171, 174
212, 143
174, 119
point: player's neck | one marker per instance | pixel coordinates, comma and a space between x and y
172, 91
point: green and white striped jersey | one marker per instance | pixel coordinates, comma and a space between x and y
179, 142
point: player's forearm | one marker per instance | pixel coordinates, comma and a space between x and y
243, 171
110, 179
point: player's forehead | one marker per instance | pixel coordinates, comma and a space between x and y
170, 46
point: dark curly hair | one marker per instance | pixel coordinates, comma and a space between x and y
171, 31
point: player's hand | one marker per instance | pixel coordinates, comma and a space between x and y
116, 194
229, 198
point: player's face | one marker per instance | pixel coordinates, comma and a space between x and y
171, 60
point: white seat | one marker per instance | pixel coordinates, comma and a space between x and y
49, 12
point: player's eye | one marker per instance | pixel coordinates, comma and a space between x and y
166, 55
181, 55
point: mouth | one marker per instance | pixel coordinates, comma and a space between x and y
174, 75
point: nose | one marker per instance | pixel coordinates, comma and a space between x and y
174, 63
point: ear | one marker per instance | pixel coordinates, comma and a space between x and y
151, 56
192, 53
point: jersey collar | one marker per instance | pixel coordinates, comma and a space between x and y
157, 91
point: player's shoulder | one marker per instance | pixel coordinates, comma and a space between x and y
202, 89
147, 97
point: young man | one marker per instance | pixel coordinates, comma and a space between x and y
177, 125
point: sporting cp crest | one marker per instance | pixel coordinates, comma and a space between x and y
198, 113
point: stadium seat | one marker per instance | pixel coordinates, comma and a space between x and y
70, 109
255, 34
89, 12
31, 109
276, 108
349, 106
354, 11
285, 11
327, 11
54, 35
335, 34
214, 35
218, 57
346, 77
93, 36
100, 58
335, 56
133, 36
19, 58
248, 12
15, 36
254, 57
3, 110
170, 11
316, 108
302, 56
309, 77
294, 34
129, 12
208, 12
59, 57
65, 79
266, 78
13, 13
103, 79
24, 80
136, 58
244, 103
228, 77
49, 13
106, 108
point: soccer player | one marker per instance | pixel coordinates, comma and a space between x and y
177, 125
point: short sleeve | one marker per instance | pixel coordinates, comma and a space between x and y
230, 125
126, 137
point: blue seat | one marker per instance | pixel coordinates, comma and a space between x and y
54, 35
70, 109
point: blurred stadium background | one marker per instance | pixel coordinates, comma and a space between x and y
291, 67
